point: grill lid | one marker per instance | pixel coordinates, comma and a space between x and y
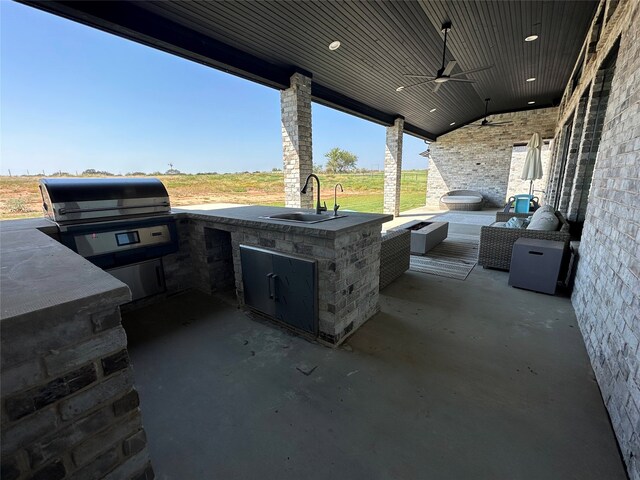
74, 200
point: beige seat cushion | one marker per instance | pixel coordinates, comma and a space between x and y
461, 199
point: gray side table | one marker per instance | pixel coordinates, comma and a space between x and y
536, 264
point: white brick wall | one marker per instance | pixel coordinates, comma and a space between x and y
472, 158
393, 168
296, 140
606, 296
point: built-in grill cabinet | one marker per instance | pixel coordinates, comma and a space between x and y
121, 225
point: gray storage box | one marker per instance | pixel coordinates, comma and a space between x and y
536, 264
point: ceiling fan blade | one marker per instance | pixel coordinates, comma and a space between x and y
466, 80
418, 84
437, 87
448, 68
418, 76
500, 123
480, 69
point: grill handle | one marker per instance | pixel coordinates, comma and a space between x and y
65, 211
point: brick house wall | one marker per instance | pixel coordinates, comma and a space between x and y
606, 296
472, 158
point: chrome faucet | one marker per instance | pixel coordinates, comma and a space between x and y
319, 209
335, 198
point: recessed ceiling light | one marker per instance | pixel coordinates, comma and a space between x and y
531, 38
432, 110
399, 89
334, 45
452, 123
531, 102
532, 79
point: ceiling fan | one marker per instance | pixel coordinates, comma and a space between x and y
444, 73
487, 123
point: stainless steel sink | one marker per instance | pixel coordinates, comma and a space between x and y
302, 217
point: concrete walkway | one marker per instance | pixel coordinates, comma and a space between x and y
451, 380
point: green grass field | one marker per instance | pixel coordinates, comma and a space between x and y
363, 192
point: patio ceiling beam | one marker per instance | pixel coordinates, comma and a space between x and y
128, 20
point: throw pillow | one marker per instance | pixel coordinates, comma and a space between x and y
545, 221
542, 210
515, 222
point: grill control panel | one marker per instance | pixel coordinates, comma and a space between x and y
100, 243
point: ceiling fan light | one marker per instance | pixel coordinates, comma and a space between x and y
452, 123
441, 79
399, 89
532, 79
432, 110
334, 45
531, 38
531, 102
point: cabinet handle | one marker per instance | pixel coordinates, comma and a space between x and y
159, 276
269, 275
274, 278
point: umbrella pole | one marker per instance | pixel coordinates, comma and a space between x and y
530, 187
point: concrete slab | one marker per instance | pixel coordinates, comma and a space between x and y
451, 380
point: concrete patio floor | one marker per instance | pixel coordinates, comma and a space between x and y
451, 380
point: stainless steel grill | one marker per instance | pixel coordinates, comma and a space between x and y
121, 225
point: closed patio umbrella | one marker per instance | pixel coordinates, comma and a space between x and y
533, 163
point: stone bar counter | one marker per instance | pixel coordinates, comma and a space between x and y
69, 407
69, 403
347, 251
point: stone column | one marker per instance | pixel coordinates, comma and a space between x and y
295, 104
393, 167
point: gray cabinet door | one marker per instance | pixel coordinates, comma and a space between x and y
257, 279
295, 292
281, 286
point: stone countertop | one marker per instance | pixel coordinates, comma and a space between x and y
249, 216
38, 273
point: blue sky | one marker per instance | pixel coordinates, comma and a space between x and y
74, 98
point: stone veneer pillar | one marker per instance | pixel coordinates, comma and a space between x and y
393, 167
295, 104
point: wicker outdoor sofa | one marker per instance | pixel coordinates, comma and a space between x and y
496, 243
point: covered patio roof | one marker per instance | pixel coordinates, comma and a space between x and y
380, 42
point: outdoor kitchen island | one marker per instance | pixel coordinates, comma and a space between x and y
69, 404
346, 251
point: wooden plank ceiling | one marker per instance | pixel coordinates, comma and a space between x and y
267, 41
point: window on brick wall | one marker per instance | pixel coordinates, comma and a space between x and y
563, 153
589, 149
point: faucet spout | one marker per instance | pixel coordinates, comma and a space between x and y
335, 198
319, 208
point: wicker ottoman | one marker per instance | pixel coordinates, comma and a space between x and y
394, 255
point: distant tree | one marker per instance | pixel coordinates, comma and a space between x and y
340, 161
173, 171
318, 167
